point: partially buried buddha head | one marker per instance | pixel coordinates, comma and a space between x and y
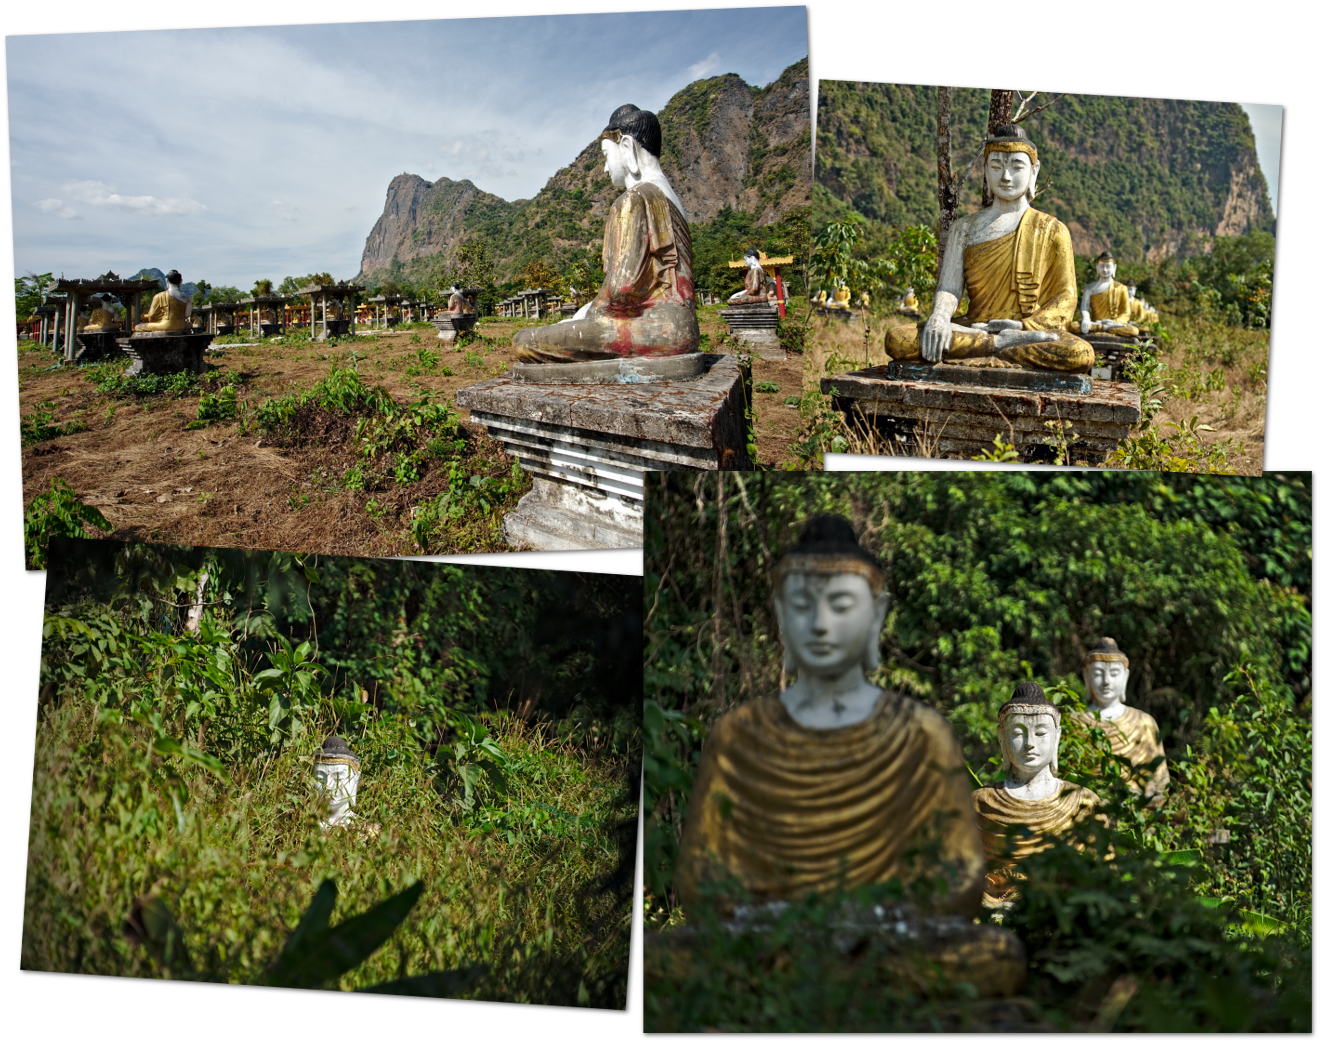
1106, 674
1029, 732
830, 600
1011, 164
337, 771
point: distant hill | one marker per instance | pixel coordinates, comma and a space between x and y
1144, 177
155, 273
726, 145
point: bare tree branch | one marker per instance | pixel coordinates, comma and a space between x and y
1038, 108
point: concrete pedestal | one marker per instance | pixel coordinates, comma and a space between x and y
98, 345
588, 446
334, 327
448, 326
838, 314
755, 325
270, 328
166, 352
947, 420
1111, 354
224, 330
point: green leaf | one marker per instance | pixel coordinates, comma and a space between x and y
328, 954
442, 985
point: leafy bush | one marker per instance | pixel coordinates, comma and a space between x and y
58, 512
41, 426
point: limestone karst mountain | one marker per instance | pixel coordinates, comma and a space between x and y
1144, 177
727, 145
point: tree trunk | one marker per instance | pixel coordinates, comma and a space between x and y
1001, 112
948, 184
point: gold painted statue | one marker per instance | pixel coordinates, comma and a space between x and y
1016, 267
170, 309
832, 778
646, 305
907, 304
102, 317
1032, 796
1106, 306
1132, 734
840, 297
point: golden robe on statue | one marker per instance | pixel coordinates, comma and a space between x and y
787, 810
165, 313
1136, 736
998, 812
1113, 304
1028, 276
646, 305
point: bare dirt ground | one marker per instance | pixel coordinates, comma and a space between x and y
224, 485
1216, 374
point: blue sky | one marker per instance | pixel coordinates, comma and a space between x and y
237, 154
1267, 125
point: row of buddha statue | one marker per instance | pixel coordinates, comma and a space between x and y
834, 781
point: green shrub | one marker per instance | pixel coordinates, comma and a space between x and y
58, 512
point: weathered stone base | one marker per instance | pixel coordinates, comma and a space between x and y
986, 376
588, 447
448, 326
754, 326
333, 327
166, 352
641, 369
270, 328
839, 314
94, 347
224, 330
959, 421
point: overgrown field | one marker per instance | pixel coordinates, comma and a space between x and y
1191, 916
174, 827
353, 446
1211, 416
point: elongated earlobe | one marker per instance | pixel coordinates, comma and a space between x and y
790, 663
872, 662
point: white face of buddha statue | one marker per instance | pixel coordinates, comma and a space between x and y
617, 160
1106, 683
1010, 175
830, 622
1029, 743
1106, 269
338, 782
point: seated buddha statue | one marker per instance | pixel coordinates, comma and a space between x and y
1031, 796
1143, 315
907, 304
337, 771
1106, 304
820, 299
103, 317
756, 284
840, 298
1016, 264
457, 303
646, 304
170, 309
831, 778
1132, 733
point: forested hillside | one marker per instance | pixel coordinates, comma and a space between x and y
1146, 178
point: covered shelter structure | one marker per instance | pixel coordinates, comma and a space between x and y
327, 302
258, 308
381, 306
220, 318
772, 265
78, 292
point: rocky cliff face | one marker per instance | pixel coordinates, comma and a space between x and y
725, 145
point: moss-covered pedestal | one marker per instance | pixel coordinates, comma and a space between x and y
166, 352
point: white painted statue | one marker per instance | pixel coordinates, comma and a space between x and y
1106, 304
456, 300
1132, 733
337, 772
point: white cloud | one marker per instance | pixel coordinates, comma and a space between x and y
283, 210
705, 67
58, 208
96, 193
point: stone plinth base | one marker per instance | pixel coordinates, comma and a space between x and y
166, 352
840, 314
270, 329
639, 370
333, 327
224, 330
448, 326
755, 325
1111, 354
960, 421
922, 951
98, 345
588, 446
987, 376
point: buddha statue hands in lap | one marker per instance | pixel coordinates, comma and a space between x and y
1106, 304
1031, 796
103, 317
170, 309
646, 304
1016, 265
756, 284
1132, 733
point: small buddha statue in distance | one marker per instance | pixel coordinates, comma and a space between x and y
457, 303
832, 777
1017, 266
170, 309
337, 771
907, 304
756, 284
1031, 795
103, 316
1106, 305
1132, 733
840, 298
646, 304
